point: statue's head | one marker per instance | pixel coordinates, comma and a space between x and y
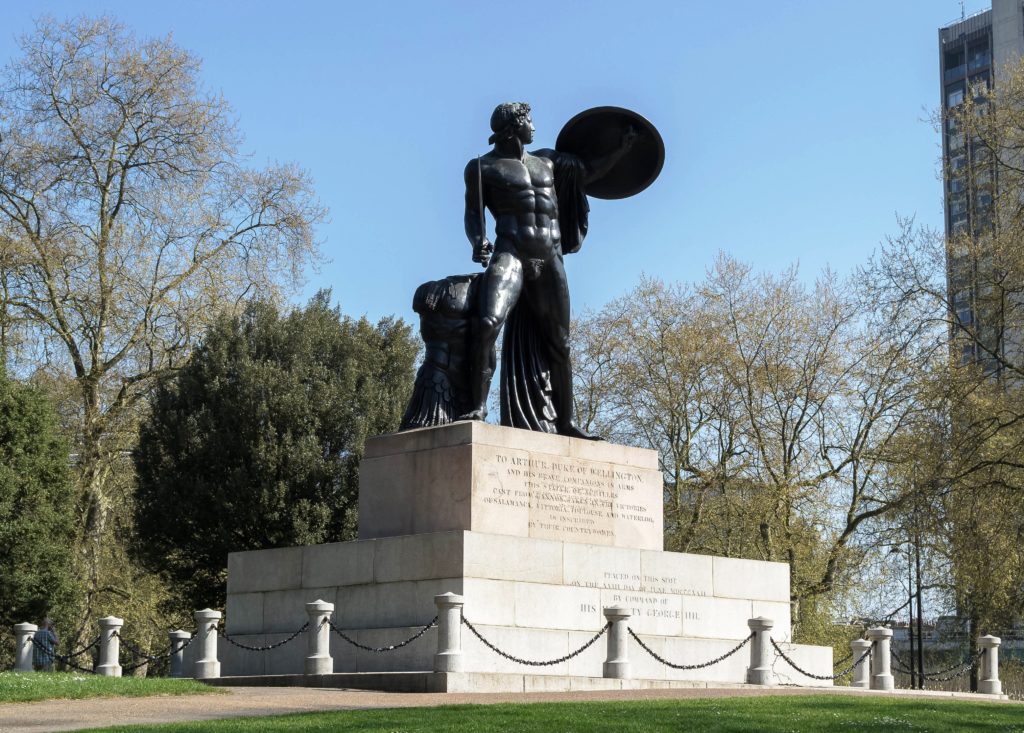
512, 119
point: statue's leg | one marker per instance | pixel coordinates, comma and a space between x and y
549, 297
500, 286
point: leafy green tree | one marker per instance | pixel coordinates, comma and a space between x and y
37, 508
256, 442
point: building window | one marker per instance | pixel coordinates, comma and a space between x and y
954, 96
957, 185
955, 64
978, 57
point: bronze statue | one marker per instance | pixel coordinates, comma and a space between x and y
441, 392
539, 203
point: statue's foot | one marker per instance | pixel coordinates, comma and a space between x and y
574, 431
480, 414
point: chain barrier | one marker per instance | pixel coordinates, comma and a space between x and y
52, 651
702, 665
139, 654
825, 677
532, 663
940, 675
379, 649
266, 648
66, 658
147, 658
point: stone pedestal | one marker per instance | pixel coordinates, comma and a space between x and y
318, 636
207, 664
989, 683
862, 672
616, 666
538, 534
485, 478
449, 633
23, 634
760, 670
881, 672
179, 639
110, 647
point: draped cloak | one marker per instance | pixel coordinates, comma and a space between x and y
529, 399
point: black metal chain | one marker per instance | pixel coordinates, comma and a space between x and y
530, 662
139, 654
844, 660
52, 651
266, 648
125, 668
826, 677
959, 669
390, 648
702, 665
66, 658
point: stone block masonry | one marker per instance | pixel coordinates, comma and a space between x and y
486, 478
521, 589
538, 533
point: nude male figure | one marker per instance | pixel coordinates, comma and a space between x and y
524, 264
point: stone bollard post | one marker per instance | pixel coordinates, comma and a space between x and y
449, 632
616, 663
319, 660
862, 672
207, 666
23, 634
881, 662
989, 683
178, 639
110, 647
760, 670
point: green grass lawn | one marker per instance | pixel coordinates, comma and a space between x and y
780, 713
30, 686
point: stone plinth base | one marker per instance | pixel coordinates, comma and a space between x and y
535, 599
486, 478
539, 533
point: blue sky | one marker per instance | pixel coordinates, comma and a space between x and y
795, 131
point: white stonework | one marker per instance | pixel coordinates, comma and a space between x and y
497, 480
537, 617
539, 534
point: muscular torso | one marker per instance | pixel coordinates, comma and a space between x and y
521, 196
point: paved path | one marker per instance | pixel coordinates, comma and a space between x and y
61, 715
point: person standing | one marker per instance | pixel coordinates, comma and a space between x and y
44, 648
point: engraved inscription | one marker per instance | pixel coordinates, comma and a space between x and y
643, 584
577, 498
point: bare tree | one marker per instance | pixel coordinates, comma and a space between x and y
777, 412
128, 221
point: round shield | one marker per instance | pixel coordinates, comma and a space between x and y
598, 132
